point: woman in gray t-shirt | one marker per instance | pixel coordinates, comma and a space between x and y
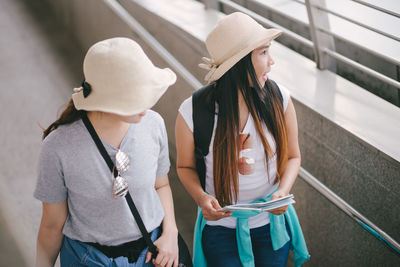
85, 216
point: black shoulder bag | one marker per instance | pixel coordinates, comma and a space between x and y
184, 254
203, 107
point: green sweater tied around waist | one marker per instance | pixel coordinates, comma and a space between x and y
279, 236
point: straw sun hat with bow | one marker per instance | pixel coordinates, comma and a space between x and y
235, 36
120, 79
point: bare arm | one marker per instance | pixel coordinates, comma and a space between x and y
186, 168
294, 159
50, 233
167, 244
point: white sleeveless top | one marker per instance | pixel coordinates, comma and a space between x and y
251, 186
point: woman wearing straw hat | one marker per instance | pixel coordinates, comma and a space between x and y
85, 216
253, 153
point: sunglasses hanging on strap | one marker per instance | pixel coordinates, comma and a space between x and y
120, 186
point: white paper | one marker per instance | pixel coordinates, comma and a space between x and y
262, 206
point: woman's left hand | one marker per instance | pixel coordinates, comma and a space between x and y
280, 210
168, 252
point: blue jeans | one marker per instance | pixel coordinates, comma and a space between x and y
220, 247
79, 254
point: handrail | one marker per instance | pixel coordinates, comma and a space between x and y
349, 210
384, 10
369, 50
361, 67
268, 22
391, 36
381, 9
337, 36
299, 1
152, 42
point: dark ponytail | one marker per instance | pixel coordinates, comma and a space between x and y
69, 115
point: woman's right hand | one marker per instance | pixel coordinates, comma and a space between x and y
210, 206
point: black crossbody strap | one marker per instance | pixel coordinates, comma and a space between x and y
135, 212
98, 142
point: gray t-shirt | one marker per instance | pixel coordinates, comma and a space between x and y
71, 168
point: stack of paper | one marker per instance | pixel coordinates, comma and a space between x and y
262, 206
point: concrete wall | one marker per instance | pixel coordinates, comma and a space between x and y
363, 176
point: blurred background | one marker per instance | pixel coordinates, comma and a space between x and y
340, 60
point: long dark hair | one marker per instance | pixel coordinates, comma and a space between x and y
69, 115
264, 105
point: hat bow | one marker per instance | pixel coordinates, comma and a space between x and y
210, 65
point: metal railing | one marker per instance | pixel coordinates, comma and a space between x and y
381, 9
349, 210
326, 192
361, 67
339, 37
356, 22
347, 60
367, 49
319, 47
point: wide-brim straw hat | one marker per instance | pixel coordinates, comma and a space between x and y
122, 79
234, 36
